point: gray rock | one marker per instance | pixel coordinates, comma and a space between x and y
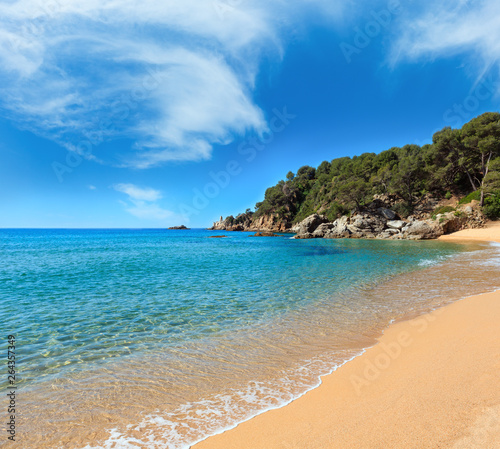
418, 230
367, 223
311, 223
337, 234
396, 224
339, 229
323, 229
387, 213
468, 210
388, 233
306, 235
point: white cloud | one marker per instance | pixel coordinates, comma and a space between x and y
176, 77
143, 203
138, 193
444, 29
92, 187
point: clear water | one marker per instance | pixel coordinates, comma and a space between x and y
153, 338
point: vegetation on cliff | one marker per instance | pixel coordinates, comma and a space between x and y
458, 162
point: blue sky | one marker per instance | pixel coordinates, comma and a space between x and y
120, 114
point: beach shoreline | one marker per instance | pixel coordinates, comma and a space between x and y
429, 382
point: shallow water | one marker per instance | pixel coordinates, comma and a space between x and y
151, 338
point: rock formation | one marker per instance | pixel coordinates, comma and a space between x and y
384, 223
376, 221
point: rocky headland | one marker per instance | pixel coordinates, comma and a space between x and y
375, 221
410, 192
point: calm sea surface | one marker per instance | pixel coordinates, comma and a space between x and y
157, 339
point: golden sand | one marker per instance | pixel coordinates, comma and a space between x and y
431, 382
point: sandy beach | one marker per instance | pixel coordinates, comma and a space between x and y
431, 382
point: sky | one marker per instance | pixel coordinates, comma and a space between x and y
125, 114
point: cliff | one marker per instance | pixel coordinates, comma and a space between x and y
249, 222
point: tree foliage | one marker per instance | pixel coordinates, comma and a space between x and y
459, 161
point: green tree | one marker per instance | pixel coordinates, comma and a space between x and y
354, 192
407, 176
481, 143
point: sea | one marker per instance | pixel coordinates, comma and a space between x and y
151, 338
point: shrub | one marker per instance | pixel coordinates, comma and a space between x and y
335, 211
448, 195
491, 207
470, 197
443, 210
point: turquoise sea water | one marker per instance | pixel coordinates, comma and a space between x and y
205, 331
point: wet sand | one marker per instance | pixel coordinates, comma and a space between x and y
431, 382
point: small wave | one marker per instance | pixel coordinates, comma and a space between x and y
209, 417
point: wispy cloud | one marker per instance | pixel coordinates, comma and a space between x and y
142, 202
138, 193
444, 29
176, 77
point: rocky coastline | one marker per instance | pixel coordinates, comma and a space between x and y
375, 221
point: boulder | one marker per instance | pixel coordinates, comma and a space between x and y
306, 235
389, 233
419, 230
339, 229
310, 224
323, 229
338, 234
387, 213
396, 224
367, 223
